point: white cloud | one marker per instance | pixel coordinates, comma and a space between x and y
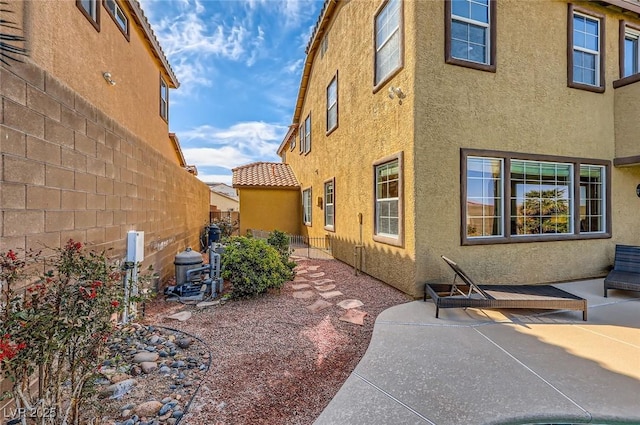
215, 178
225, 157
237, 145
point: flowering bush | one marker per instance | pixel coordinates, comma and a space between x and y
55, 327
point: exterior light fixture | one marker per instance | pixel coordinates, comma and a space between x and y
396, 92
108, 79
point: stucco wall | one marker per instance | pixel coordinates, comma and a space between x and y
627, 122
371, 126
223, 203
269, 209
64, 43
70, 170
525, 107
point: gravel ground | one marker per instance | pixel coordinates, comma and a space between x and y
273, 361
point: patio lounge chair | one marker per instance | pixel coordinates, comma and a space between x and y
626, 270
468, 294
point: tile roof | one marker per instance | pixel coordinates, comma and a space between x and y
268, 174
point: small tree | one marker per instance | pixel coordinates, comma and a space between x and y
280, 241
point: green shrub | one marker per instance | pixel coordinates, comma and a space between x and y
280, 241
253, 267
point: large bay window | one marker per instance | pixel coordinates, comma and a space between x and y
511, 198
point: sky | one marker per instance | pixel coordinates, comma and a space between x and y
239, 63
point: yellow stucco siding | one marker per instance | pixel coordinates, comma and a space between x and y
627, 122
524, 107
269, 209
370, 127
223, 203
62, 41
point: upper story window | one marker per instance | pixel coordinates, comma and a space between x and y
91, 11
119, 17
324, 45
388, 200
164, 99
388, 42
511, 199
586, 41
470, 33
305, 135
306, 207
630, 49
332, 104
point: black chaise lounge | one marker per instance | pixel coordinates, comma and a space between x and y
626, 270
469, 294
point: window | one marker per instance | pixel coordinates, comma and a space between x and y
118, 16
387, 41
329, 210
388, 197
332, 104
630, 53
509, 199
306, 207
324, 45
305, 135
470, 33
586, 62
91, 11
164, 99
629, 48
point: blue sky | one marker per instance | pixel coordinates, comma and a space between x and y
239, 64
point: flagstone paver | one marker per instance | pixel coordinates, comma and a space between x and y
331, 294
181, 316
300, 286
300, 279
349, 304
313, 268
303, 294
325, 287
319, 306
353, 316
319, 274
322, 281
303, 271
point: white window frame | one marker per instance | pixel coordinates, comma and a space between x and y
329, 201
118, 15
164, 99
485, 25
385, 46
635, 36
580, 214
378, 235
305, 136
596, 53
332, 104
307, 207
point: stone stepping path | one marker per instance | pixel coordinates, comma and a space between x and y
331, 294
353, 316
322, 281
303, 295
326, 288
319, 306
349, 304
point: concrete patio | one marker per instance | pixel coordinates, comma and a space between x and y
499, 367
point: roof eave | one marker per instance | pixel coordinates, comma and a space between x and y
143, 23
